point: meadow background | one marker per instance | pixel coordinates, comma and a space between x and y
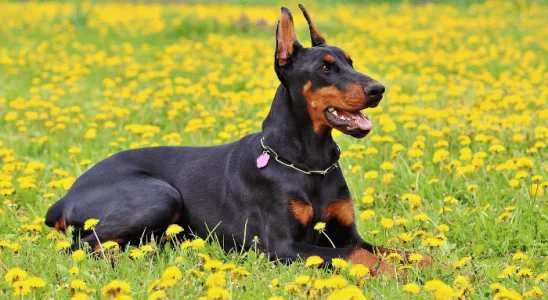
455, 166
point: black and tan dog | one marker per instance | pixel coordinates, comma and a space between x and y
235, 188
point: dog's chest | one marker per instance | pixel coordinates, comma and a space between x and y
327, 202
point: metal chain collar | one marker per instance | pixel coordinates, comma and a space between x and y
267, 149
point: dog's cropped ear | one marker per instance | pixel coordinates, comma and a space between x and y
315, 35
286, 40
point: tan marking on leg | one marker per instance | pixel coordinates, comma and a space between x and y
302, 211
61, 226
375, 264
342, 211
363, 257
175, 217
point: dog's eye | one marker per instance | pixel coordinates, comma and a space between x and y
325, 68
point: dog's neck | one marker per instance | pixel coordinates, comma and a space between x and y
288, 130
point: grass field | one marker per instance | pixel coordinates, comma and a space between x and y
455, 167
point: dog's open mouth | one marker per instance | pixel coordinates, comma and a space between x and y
354, 123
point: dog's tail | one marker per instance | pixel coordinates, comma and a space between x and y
54, 217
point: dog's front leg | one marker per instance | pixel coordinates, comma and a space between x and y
357, 241
288, 251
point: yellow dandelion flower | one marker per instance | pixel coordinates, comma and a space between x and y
275, 283
525, 273
534, 292
15, 274
204, 257
198, 244
443, 228
433, 285
90, 224
227, 267
147, 248
216, 279
387, 223
77, 284
240, 272
507, 294
497, 287
116, 288
195, 273
313, 261
405, 237
505, 216
21, 288
291, 289
367, 214
110, 245
78, 255
302, 280
212, 264
167, 283
186, 244
172, 273
319, 226
80, 296
519, 256
36, 282
136, 253
508, 271
461, 262
367, 199
402, 221
359, 271
415, 257
420, 217
173, 230
537, 190
393, 258
412, 288
155, 285
350, 292
339, 264
541, 277
157, 295
61, 245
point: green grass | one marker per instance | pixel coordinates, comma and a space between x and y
473, 71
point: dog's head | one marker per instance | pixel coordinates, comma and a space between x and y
323, 76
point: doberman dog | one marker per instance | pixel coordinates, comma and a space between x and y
274, 185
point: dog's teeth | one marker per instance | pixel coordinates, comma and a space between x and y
343, 118
335, 113
331, 108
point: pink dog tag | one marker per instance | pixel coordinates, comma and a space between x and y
262, 161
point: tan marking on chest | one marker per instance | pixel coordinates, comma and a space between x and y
301, 211
342, 211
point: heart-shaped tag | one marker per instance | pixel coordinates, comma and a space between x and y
262, 161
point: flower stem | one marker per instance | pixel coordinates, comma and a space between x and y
325, 234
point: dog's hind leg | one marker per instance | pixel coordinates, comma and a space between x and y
127, 212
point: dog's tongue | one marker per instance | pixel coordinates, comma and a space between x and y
358, 120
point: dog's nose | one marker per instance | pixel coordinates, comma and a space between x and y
374, 89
